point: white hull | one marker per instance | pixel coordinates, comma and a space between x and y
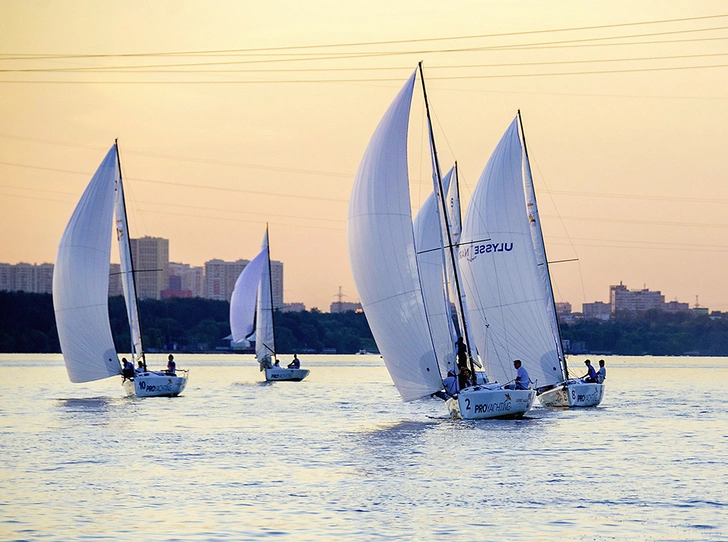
156, 384
478, 403
573, 393
281, 373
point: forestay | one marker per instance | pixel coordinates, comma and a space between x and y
506, 298
81, 280
383, 259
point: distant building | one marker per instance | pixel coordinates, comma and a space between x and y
293, 307
596, 311
7, 274
27, 277
151, 266
184, 277
675, 306
24, 278
43, 278
623, 300
115, 287
344, 306
220, 277
563, 308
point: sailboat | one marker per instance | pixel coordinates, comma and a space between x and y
390, 279
505, 271
251, 311
81, 289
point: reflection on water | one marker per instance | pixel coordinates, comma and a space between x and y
340, 457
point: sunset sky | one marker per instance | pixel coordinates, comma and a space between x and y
231, 114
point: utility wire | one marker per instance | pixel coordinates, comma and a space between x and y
360, 44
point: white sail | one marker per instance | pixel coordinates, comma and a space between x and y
264, 337
245, 293
500, 273
382, 254
81, 280
128, 282
541, 261
431, 262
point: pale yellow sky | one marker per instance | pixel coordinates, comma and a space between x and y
628, 156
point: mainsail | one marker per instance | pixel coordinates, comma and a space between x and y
506, 297
81, 280
383, 258
264, 337
128, 281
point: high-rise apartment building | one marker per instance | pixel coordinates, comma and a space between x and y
622, 299
151, 266
220, 277
115, 287
27, 277
183, 277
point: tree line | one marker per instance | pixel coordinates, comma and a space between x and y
27, 324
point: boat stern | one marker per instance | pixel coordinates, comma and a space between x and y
481, 402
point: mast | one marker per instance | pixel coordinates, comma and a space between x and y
532, 194
444, 220
270, 286
131, 258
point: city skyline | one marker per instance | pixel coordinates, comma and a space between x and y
227, 122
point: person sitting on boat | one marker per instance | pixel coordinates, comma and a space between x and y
602, 372
591, 375
295, 364
462, 352
127, 370
451, 384
522, 378
171, 366
277, 363
465, 377
141, 368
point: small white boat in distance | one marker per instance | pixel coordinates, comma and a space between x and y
81, 288
156, 383
251, 311
572, 393
282, 373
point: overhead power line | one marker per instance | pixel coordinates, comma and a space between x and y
359, 44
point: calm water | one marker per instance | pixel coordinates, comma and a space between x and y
341, 457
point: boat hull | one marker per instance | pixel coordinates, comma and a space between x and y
281, 373
573, 394
478, 403
156, 384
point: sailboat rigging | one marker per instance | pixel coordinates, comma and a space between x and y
81, 285
505, 271
252, 311
389, 278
